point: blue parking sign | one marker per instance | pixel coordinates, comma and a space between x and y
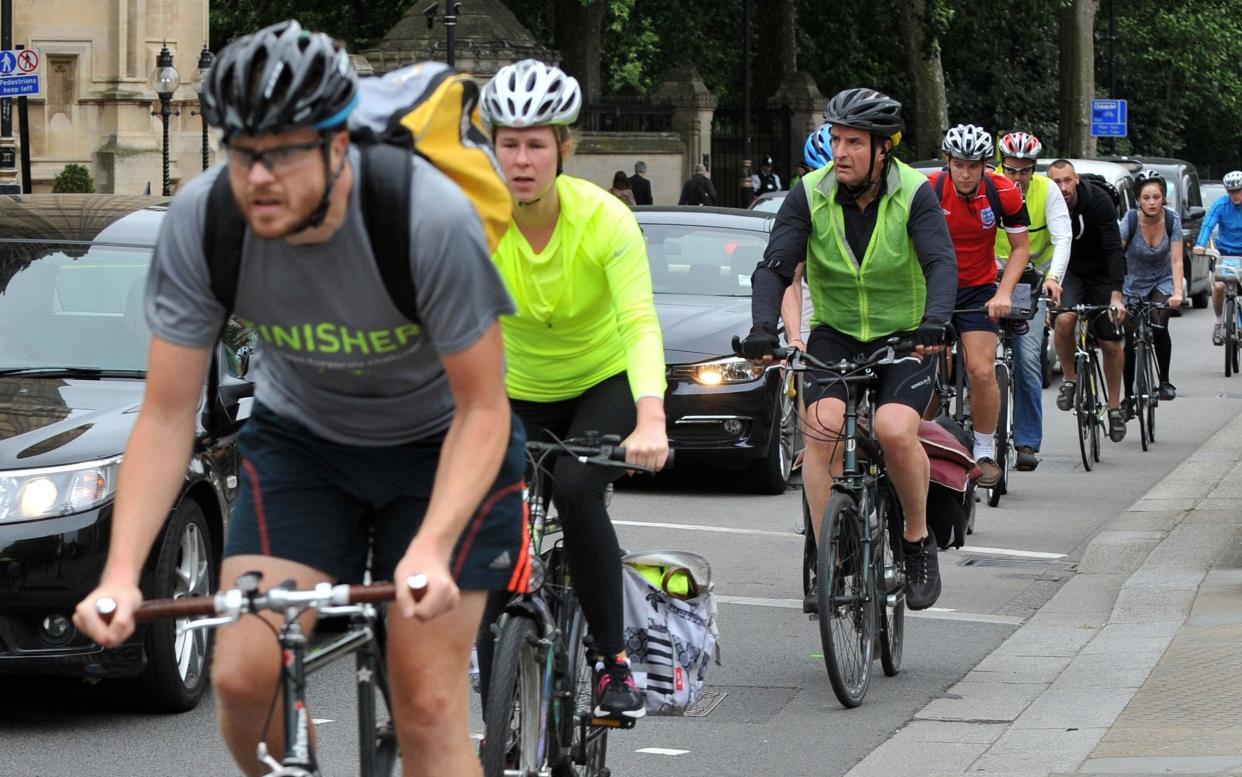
1109, 118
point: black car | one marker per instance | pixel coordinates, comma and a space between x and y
73, 364
722, 411
1184, 196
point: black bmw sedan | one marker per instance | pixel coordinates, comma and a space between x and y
723, 412
73, 356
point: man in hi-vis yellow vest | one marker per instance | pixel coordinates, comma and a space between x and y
879, 263
1050, 236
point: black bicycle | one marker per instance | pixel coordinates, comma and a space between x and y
1146, 386
377, 740
1091, 391
1228, 270
858, 564
539, 712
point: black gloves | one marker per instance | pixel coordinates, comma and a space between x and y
761, 341
929, 334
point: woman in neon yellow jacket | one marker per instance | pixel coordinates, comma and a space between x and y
584, 349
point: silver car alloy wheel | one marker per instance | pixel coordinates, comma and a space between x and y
191, 578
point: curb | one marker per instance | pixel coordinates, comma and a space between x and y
1040, 703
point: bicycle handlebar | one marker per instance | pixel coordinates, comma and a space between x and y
606, 452
895, 348
235, 602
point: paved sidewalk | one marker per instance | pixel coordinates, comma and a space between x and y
1134, 667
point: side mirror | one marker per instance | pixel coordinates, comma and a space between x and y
1195, 212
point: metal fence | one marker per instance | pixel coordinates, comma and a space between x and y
622, 115
771, 130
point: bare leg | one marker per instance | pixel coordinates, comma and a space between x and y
823, 459
897, 428
981, 369
1114, 365
1063, 341
246, 666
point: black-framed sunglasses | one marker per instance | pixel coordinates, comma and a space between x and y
278, 160
1028, 170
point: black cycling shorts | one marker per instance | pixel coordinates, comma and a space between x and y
312, 501
1076, 290
969, 297
908, 382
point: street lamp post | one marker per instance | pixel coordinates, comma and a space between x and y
164, 80
451, 9
205, 60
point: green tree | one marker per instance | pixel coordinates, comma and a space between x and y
360, 23
74, 179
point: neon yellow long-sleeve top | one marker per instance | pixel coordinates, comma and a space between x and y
584, 305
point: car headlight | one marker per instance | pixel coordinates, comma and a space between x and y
26, 495
719, 371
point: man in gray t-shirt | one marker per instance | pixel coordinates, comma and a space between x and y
365, 421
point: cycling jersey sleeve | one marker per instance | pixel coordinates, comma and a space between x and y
930, 233
180, 306
1211, 220
629, 284
1060, 230
786, 250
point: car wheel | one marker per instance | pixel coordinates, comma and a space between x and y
771, 473
178, 661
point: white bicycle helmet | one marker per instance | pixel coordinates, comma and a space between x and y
1232, 181
966, 141
531, 94
1020, 145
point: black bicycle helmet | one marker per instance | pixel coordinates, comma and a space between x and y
865, 109
279, 78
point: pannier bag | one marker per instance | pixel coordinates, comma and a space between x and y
670, 627
951, 493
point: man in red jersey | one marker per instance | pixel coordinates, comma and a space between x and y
976, 204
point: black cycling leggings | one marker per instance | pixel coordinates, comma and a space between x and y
578, 491
1160, 339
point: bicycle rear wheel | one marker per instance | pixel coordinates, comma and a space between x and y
1142, 390
891, 604
847, 622
580, 756
514, 691
1004, 419
1084, 410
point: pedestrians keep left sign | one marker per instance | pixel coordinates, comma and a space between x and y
19, 73
1108, 118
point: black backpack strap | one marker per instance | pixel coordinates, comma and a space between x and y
385, 199
940, 179
1169, 215
224, 231
1131, 227
989, 187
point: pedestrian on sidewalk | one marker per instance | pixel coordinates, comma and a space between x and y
640, 184
698, 189
621, 188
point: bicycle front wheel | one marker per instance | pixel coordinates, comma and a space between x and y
891, 604
1154, 400
1231, 336
847, 622
1100, 390
515, 689
581, 756
1004, 419
1084, 410
1142, 390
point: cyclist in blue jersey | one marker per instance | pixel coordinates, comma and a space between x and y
1225, 216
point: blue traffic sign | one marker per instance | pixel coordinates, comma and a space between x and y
8, 62
19, 86
1109, 118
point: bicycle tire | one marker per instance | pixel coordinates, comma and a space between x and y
1231, 336
381, 760
1142, 390
1003, 422
579, 758
847, 626
1154, 402
808, 548
511, 719
1084, 411
892, 615
1101, 404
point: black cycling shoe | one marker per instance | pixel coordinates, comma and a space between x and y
1116, 424
1065, 398
1168, 392
922, 573
615, 691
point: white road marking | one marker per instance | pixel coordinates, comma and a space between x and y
661, 751
1007, 552
932, 612
717, 529
318, 721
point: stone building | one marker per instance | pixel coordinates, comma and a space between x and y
96, 103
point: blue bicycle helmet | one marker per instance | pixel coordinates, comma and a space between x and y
818, 148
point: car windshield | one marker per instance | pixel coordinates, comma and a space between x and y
76, 306
689, 259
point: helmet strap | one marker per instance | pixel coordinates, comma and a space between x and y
317, 216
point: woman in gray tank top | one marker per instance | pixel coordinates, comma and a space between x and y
1152, 237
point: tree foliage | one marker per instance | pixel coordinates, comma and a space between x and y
73, 179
